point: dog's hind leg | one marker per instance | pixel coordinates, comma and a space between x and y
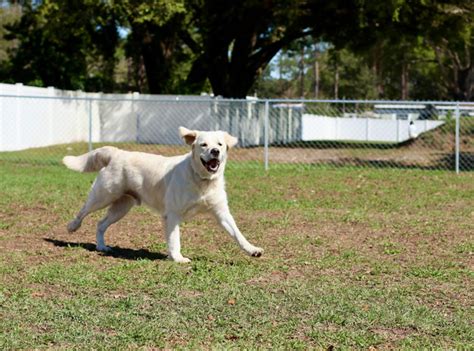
116, 211
98, 199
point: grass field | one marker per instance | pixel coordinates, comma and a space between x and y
354, 258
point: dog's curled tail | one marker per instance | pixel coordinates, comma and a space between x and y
92, 161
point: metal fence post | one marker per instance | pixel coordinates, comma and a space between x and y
137, 117
18, 115
457, 138
266, 131
50, 92
90, 123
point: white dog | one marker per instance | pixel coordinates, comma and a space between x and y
178, 187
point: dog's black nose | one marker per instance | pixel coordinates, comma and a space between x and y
215, 152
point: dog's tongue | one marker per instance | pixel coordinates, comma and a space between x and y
213, 164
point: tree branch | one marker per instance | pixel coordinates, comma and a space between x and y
263, 56
189, 41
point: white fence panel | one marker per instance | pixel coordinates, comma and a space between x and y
158, 121
383, 130
51, 117
117, 120
351, 129
316, 127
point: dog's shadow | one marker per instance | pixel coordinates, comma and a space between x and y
117, 252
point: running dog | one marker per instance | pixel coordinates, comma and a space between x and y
178, 187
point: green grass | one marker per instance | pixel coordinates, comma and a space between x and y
354, 258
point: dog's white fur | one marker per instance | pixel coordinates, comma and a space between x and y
178, 187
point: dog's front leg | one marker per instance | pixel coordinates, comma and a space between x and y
172, 221
227, 222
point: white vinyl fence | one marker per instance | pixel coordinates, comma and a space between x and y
53, 117
363, 129
35, 117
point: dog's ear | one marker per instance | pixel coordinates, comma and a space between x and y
189, 136
230, 140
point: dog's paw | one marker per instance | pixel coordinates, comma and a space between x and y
256, 252
104, 248
73, 226
179, 259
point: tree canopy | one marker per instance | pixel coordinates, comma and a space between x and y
354, 49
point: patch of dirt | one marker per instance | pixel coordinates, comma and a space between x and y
277, 277
190, 293
371, 157
393, 334
43, 236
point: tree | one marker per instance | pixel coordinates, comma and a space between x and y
75, 44
406, 36
240, 38
8, 15
155, 41
65, 43
337, 68
250, 33
179, 46
452, 38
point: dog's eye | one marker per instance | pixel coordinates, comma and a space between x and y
220, 144
203, 144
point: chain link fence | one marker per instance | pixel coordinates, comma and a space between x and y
272, 133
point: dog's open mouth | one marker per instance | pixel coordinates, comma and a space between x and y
212, 165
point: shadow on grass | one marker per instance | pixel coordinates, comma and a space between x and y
117, 252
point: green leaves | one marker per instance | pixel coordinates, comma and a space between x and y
157, 11
183, 46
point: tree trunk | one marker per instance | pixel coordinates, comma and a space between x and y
336, 83
316, 77
157, 65
238, 47
157, 48
464, 80
378, 71
301, 67
197, 76
218, 71
234, 78
280, 67
458, 78
404, 81
468, 83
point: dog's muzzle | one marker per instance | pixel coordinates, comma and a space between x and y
212, 165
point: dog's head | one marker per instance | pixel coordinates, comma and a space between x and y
209, 150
